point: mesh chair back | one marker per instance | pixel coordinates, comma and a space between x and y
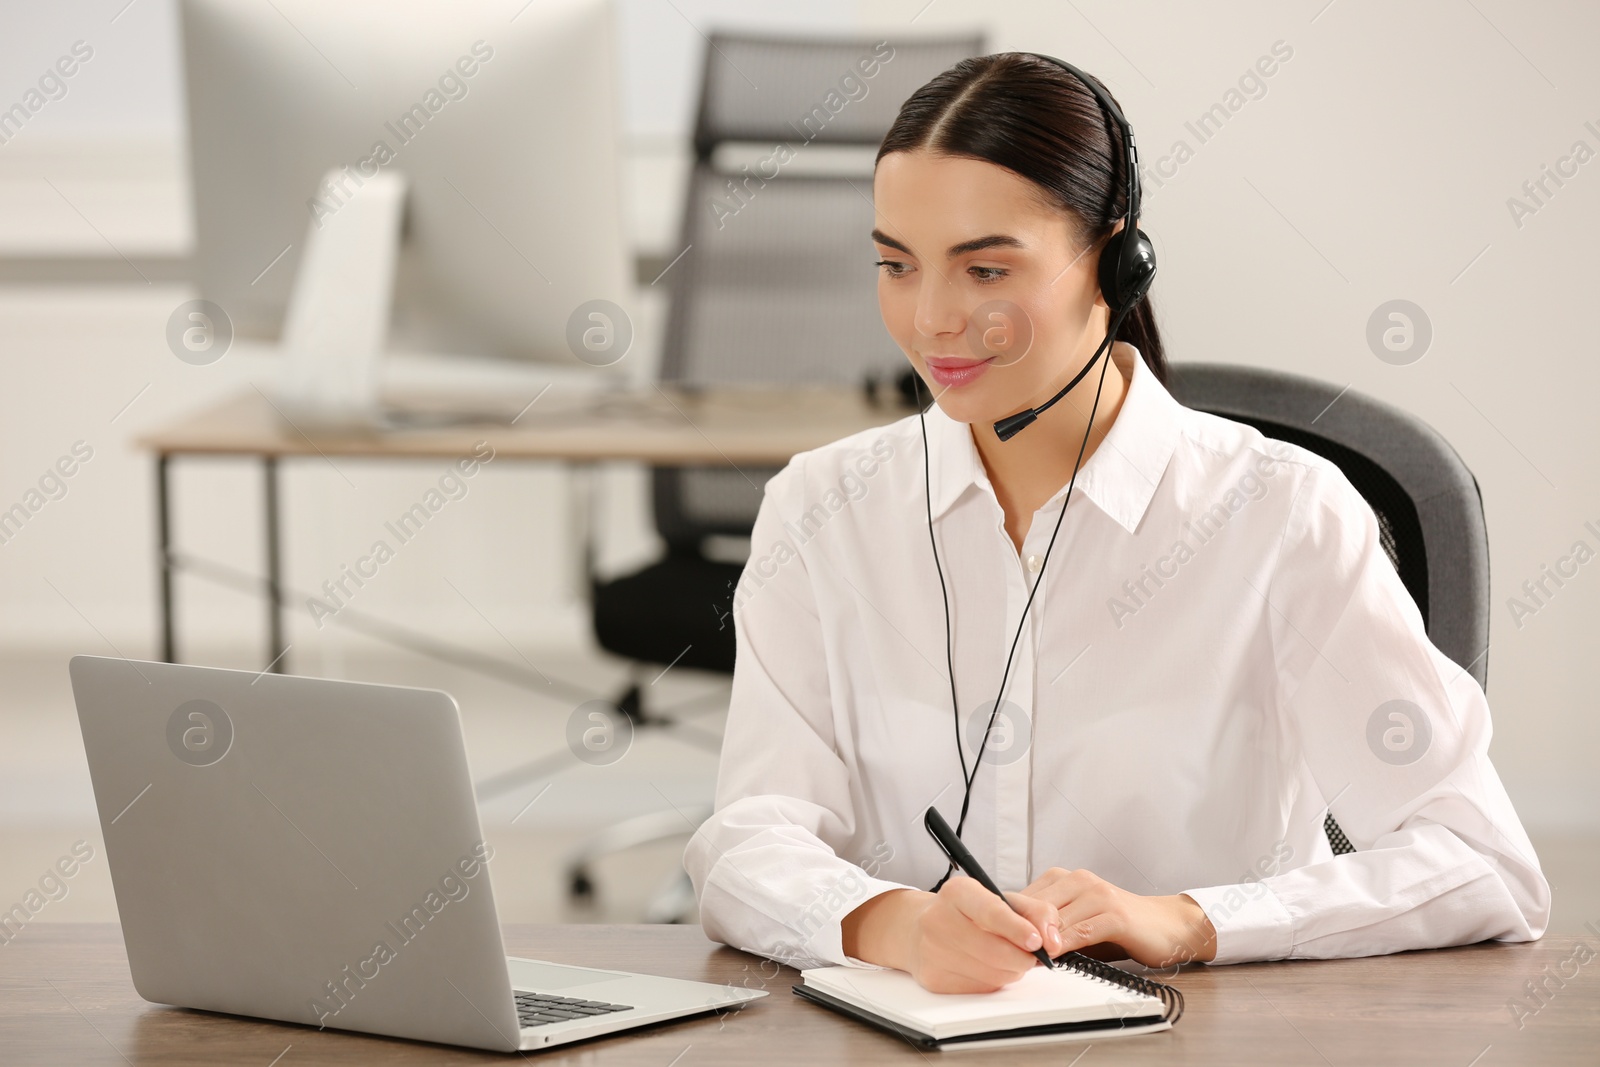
1428, 505
777, 286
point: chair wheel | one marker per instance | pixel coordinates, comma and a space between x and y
579, 884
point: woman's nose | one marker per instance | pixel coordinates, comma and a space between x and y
941, 308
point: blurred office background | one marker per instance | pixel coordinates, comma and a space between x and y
1383, 159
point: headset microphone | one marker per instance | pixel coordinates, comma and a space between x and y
1011, 425
1126, 269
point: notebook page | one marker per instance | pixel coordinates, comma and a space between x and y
1040, 997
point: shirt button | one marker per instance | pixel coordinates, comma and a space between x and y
1033, 564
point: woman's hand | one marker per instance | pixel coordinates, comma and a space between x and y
963, 939
1108, 923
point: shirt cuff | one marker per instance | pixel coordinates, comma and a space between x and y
1251, 922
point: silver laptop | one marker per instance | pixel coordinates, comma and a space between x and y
309, 851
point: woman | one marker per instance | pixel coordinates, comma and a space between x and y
1219, 654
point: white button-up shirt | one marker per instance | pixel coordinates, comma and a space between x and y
1219, 652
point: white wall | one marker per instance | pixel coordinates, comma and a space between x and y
1377, 165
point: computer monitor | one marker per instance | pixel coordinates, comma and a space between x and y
500, 120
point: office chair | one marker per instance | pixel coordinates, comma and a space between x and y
1428, 505
777, 288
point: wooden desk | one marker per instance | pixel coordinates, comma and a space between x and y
663, 426
660, 425
66, 998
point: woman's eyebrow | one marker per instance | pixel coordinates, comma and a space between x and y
884, 239
977, 244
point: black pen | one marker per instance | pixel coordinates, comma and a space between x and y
951, 845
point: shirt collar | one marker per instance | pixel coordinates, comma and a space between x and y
1122, 475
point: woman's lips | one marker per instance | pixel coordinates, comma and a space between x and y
952, 373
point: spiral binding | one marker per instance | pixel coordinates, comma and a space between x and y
1171, 999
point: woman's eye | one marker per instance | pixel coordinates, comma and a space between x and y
988, 274
894, 268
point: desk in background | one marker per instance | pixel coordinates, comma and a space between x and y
66, 998
661, 426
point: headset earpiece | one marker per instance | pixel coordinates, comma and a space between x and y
1127, 268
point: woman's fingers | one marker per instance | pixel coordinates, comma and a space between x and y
1044, 916
1048, 883
1100, 919
956, 956
1112, 924
971, 933
980, 969
991, 914
974, 941
1092, 916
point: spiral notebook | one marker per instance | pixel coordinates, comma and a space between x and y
1081, 1000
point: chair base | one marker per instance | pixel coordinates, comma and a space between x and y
675, 899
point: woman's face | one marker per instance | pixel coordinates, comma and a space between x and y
982, 288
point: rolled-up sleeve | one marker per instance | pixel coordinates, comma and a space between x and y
766, 866
1396, 739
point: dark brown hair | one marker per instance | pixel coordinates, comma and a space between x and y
1038, 121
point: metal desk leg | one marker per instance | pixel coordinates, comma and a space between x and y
169, 653
583, 491
276, 650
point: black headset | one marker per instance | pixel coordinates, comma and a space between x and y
1127, 262
1127, 268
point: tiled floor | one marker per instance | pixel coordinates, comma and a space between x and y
46, 804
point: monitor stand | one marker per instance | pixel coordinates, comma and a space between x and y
335, 339
337, 322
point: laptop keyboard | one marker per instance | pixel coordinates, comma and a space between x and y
542, 1009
